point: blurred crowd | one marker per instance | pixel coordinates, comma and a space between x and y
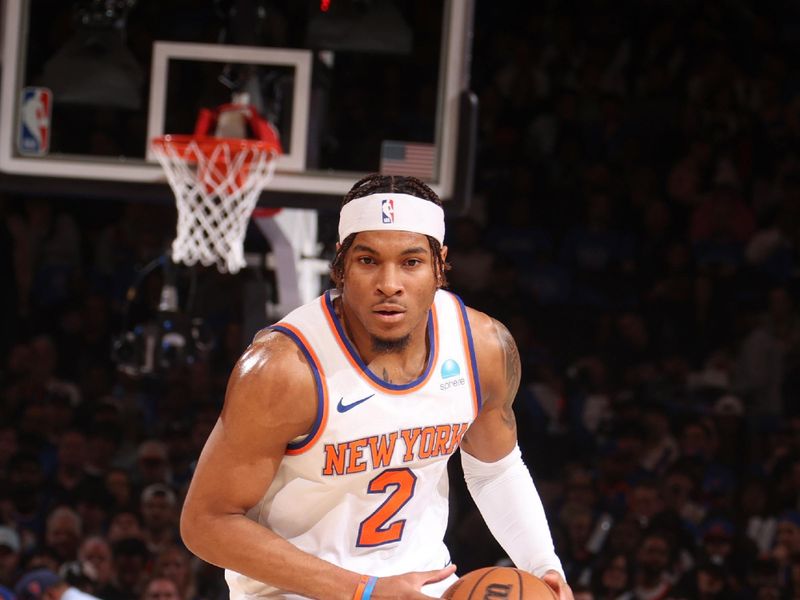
636, 225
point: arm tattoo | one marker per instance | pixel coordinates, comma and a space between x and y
512, 372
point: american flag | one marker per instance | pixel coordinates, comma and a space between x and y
408, 158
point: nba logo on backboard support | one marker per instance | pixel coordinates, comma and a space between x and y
34, 125
387, 209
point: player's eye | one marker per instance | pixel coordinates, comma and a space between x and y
366, 260
413, 262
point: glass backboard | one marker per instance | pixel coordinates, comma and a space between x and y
353, 86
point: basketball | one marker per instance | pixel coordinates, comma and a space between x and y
499, 582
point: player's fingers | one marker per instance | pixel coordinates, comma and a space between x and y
555, 581
436, 575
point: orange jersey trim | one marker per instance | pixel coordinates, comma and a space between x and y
322, 388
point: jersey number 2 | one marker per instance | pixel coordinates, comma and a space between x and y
376, 530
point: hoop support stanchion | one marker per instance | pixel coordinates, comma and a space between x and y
292, 235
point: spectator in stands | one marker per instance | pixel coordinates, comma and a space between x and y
645, 501
152, 463
787, 540
660, 446
161, 588
125, 523
472, 263
131, 559
93, 504
8, 300
686, 179
597, 254
118, 484
728, 416
8, 445
85, 338
763, 578
41, 557
9, 556
793, 583
210, 582
698, 442
63, 533
159, 508
102, 442
96, 551
576, 521
46, 255
707, 581
582, 592
760, 365
755, 515
770, 251
44, 365
612, 577
679, 492
717, 540
180, 451
579, 487
70, 470
43, 584
174, 563
723, 220
654, 571
79, 575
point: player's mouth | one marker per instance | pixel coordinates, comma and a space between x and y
388, 313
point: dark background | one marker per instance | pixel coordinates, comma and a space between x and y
635, 224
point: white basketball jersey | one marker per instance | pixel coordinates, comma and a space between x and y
367, 489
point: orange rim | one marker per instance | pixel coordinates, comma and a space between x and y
207, 144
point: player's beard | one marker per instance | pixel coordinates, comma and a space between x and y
389, 346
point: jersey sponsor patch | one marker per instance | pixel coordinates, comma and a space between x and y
451, 376
450, 368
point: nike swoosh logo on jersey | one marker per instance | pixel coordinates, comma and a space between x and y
341, 407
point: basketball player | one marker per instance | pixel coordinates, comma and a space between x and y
325, 475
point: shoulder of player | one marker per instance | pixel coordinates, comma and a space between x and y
493, 342
273, 368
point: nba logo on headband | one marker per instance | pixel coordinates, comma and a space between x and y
387, 210
375, 212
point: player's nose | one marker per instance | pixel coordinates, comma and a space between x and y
389, 282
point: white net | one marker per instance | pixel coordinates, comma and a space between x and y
216, 185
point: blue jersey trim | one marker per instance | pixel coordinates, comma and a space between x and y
317, 380
364, 369
472, 360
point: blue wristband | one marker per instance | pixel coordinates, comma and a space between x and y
368, 588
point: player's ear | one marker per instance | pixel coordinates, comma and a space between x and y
338, 245
443, 252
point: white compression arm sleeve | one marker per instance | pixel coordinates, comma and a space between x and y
507, 498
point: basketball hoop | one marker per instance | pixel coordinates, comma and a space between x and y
216, 182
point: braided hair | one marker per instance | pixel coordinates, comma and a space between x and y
377, 184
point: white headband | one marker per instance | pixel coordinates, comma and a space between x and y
392, 212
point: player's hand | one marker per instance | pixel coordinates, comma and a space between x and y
561, 587
408, 585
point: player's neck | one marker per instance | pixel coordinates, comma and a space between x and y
400, 367
397, 365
